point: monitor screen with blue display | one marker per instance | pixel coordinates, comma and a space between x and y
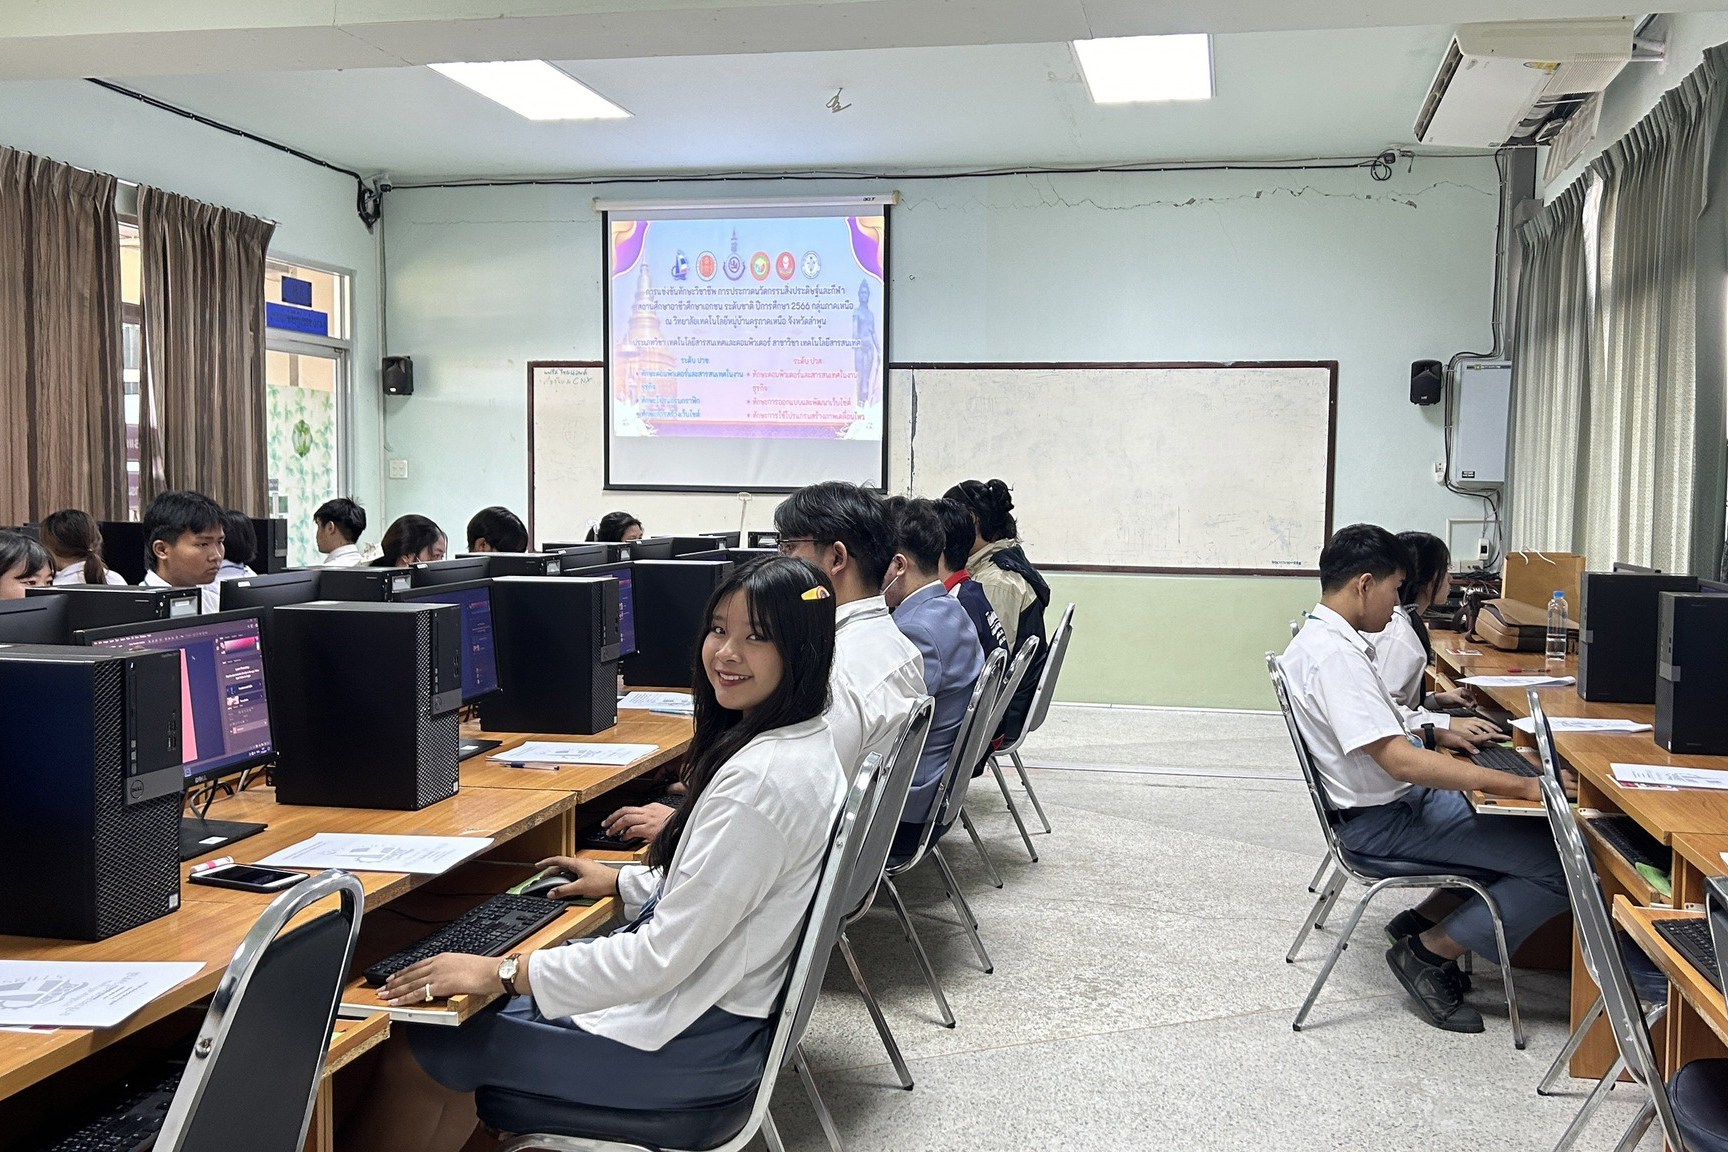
479, 654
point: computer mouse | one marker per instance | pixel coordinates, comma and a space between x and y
543, 884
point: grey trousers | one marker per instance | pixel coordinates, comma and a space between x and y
1440, 828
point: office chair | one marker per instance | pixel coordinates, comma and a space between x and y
866, 878
1017, 673
1378, 874
259, 1056
561, 1126
1046, 692
1693, 1106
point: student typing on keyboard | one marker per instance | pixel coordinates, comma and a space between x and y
1397, 800
671, 1011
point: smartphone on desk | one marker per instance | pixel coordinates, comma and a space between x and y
248, 878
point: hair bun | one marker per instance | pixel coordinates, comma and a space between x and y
1001, 493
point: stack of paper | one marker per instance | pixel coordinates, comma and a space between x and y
554, 752
1580, 724
71, 994
360, 852
1663, 776
676, 703
1517, 681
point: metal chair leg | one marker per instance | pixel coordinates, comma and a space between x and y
989, 864
822, 1114
1572, 1043
1002, 783
881, 1022
771, 1134
1320, 872
1342, 943
918, 950
1505, 967
1640, 1125
1591, 1102
967, 920
1317, 916
1026, 783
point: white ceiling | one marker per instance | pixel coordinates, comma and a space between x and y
1278, 95
726, 85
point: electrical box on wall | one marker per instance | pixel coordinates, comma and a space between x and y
1481, 413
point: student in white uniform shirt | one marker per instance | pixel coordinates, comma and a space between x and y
183, 544
1396, 800
673, 1010
239, 547
1402, 651
878, 674
340, 524
73, 539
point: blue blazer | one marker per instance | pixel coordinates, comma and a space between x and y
940, 628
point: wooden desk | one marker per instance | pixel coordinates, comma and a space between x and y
584, 781
1697, 1024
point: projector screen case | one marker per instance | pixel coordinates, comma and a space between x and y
747, 344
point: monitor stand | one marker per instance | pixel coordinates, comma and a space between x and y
200, 837
472, 748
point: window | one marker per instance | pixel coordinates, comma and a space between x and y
307, 319
131, 352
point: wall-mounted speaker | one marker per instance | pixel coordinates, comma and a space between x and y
398, 375
1426, 377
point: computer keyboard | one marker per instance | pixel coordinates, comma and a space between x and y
1691, 938
1504, 759
130, 1126
1635, 845
606, 842
492, 929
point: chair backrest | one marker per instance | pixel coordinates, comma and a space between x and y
1047, 679
969, 748
816, 942
1597, 942
1296, 626
259, 1056
884, 821
1310, 774
1016, 675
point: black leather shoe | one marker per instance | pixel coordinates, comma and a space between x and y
1438, 989
1407, 923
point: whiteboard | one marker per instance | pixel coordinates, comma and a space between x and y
1186, 468
1210, 468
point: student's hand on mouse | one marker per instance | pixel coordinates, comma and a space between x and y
593, 879
677, 788
1457, 698
447, 974
638, 823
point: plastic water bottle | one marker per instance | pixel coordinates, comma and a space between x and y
1557, 632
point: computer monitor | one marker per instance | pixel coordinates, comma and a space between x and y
519, 563
458, 571
34, 620
769, 539
296, 587
272, 554
123, 548
224, 707
685, 545
669, 598
580, 555
366, 585
626, 601
711, 554
728, 539
1622, 566
745, 555
479, 654
113, 605
1713, 586
651, 548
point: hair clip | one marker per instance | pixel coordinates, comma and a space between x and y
816, 593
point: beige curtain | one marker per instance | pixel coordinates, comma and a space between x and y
62, 429
203, 424
1638, 480
1548, 361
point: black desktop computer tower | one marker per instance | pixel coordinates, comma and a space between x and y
519, 563
90, 769
1617, 634
1692, 674
272, 554
123, 548
364, 701
109, 606
669, 597
557, 649
364, 585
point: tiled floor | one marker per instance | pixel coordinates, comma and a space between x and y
1140, 997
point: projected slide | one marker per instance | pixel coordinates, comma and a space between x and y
746, 350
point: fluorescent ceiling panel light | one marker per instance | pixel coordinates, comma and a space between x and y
1142, 69
534, 89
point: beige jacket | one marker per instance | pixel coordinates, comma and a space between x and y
1008, 593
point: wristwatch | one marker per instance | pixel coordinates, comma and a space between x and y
507, 969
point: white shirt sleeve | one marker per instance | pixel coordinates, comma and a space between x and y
846, 723
636, 884
1352, 701
732, 858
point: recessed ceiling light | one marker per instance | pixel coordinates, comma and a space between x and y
1141, 69
534, 89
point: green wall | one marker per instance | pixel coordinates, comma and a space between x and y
1195, 641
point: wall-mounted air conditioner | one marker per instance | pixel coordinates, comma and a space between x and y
1517, 82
